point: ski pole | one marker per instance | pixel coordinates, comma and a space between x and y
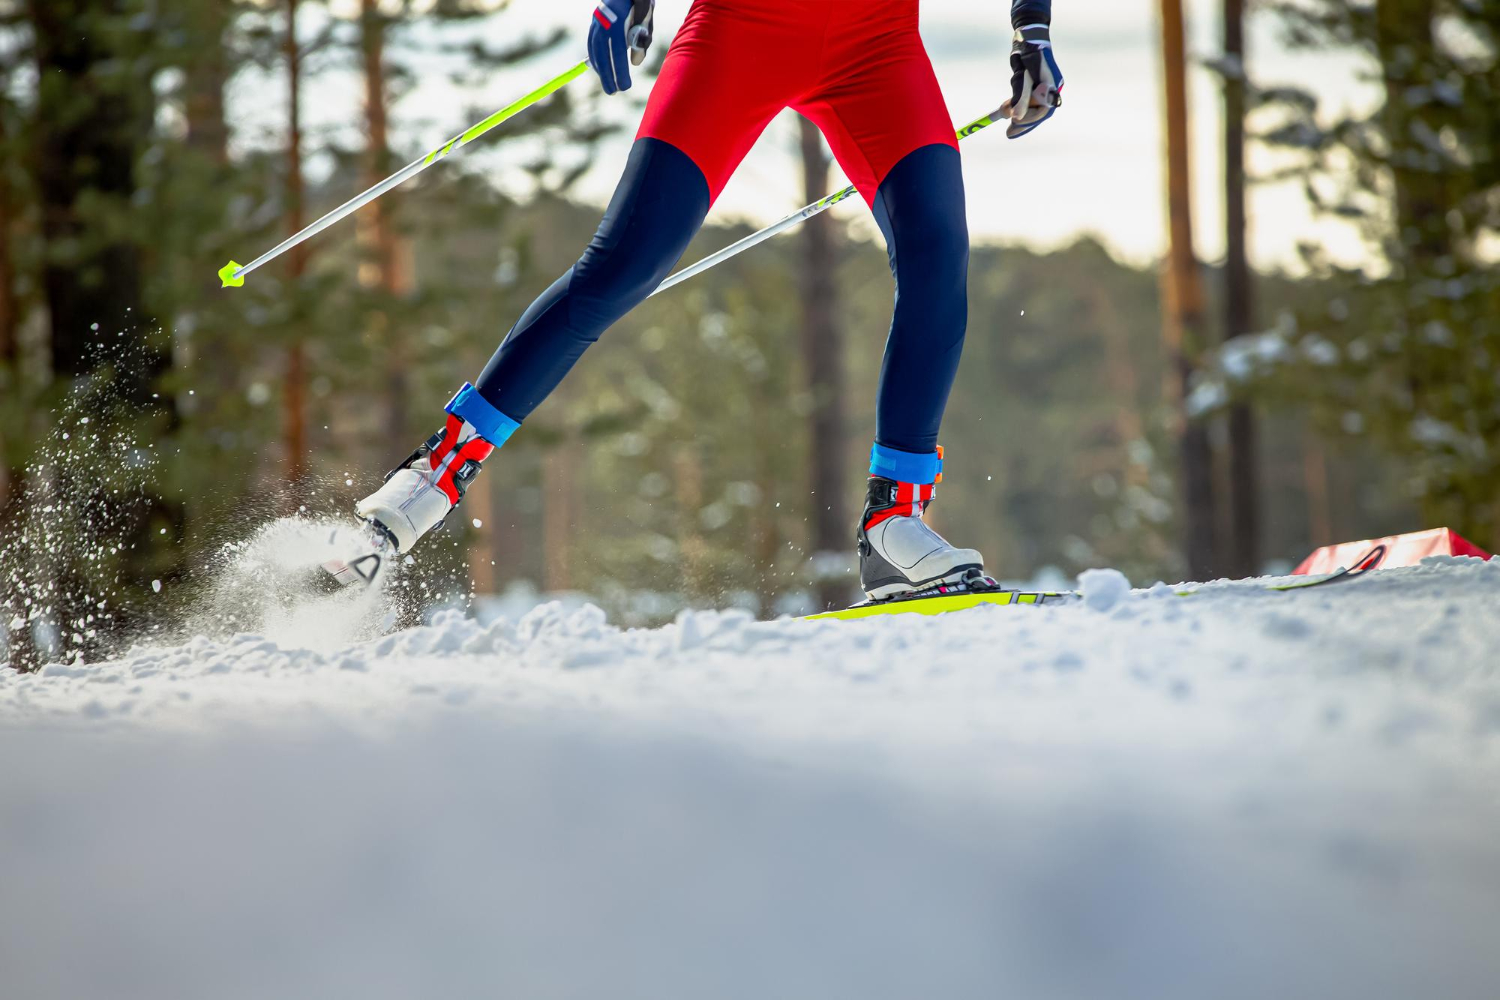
795, 219
233, 274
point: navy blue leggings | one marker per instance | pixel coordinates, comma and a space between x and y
656, 210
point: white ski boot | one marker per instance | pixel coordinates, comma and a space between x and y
899, 554
419, 493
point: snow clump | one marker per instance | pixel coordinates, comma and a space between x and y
1103, 588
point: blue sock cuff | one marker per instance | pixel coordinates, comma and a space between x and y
492, 425
905, 466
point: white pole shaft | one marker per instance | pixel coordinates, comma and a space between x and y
343, 211
234, 273
795, 219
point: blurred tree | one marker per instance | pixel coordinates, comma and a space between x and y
1055, 429
206, 71
823, 368
165, 190
198, 207
677, 504
93, 108
1405, 350
407, 302
1243, 537
637, 481
294, 387
382, 268
10, 308
1184, 327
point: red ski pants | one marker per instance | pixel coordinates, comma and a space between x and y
858, 70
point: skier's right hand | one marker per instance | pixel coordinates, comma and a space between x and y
1036, 83
620, 28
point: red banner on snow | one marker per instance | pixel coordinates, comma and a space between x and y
1401, 550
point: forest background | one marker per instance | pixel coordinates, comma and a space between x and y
1192, 419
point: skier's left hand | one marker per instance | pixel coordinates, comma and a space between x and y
620, 27
1036, 83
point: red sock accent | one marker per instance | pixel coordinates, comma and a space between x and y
911, 500
476, 449
450, 439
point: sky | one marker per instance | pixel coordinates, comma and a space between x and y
1095, 168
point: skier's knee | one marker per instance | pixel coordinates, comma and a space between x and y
932, 264
940, 250
920, 209
609, 283
660, 203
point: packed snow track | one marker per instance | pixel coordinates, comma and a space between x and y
1236, 794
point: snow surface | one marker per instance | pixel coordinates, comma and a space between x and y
1235, 794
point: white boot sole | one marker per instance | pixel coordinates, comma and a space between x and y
897, 589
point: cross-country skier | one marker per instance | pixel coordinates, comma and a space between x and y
860, 72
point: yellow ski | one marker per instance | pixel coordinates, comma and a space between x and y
936, 601
941, 603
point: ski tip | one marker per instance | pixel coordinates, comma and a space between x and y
229, 274
360, 572
370, 555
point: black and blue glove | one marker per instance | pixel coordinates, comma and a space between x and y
619, 36
1035, 84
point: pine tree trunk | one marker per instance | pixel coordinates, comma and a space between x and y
10, 321
559, 514
1426, 253
1423, 250
380, 236
1404, 41
687, 475
207, 71
765, 533
765, 545
508, 534
1184, 313
1315, 489
483, 572
87, 138
1244, 480
88, 131
823, 358
1124, 381
294, 398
